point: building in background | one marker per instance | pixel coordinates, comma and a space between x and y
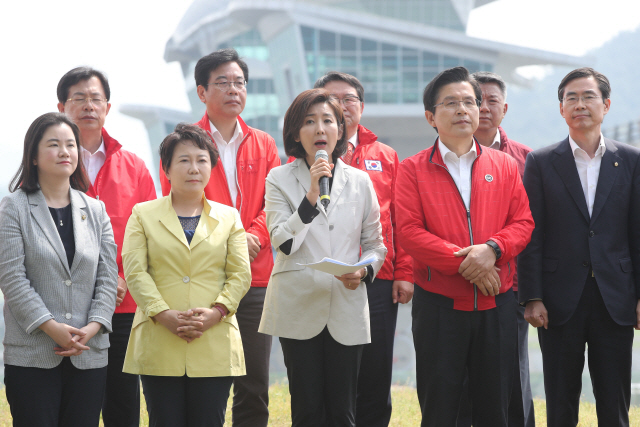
395, 47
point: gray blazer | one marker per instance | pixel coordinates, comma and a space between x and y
38, 285
301, 301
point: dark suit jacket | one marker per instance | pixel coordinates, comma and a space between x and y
566, 243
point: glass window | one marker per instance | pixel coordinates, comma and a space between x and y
347, 43
451, 61
472, 66
308, 37
430, 60
327, 41
368, 45
409, 58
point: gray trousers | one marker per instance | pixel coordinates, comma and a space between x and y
251, 392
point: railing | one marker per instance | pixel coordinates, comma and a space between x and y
627, 132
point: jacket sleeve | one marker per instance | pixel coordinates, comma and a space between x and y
283, 222
371, 242
21, 298
530, 259
103, 303
258, 226
403, 263
516, 234
237, 268
415, 239
134, 255
634, 225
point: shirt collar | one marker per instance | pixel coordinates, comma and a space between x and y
576, 149
444, 151
100, 149
496, 141
354, 139
237, 133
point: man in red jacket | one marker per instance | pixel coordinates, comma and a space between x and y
394, 282
463, 215
120, 179
246, 157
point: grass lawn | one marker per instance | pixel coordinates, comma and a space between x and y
405, 403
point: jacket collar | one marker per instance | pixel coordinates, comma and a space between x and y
204, 124
209, 220
436, 158
111, 145
504, 140
41, 214
365, 136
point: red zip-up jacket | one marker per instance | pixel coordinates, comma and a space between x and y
433, 222
519, 153
398, 265
122, 181
257, 155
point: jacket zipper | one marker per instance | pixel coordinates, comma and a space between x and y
475, 288
237, 182
429, 274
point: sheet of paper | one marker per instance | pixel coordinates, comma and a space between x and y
338, 268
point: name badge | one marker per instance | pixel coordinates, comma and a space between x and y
373, 165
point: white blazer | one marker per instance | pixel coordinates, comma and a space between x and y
301, 301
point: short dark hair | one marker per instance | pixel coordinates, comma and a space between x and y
210, 62
578, 73
185, 132
294, 119
77, 75
333, 76
486, 77
27, 176
448, 76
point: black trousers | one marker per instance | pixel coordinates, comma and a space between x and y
251, 392
373, 404
521, 410
610, 348
186, 402
323, 376
450, 343
121, 403
64, 396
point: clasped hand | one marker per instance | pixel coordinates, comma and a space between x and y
190, 324
479, 268
71, 341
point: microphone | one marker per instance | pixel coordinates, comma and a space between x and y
324, 181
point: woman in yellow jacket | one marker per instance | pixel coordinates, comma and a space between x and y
186, 263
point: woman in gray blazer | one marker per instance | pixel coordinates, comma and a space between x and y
322, 320
58, 275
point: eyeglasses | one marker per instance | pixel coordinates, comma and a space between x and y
224, 86
587, 99
97, 102
348, 100
452, 105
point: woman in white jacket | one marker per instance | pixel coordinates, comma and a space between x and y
322, 320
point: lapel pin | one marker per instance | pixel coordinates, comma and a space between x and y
84, 217
615, 164
488, 177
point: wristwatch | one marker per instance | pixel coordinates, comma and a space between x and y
496, 249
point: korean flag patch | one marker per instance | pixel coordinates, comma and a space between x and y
373, 165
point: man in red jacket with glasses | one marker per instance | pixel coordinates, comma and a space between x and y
120, 179
394, 282
246, 157
463, 215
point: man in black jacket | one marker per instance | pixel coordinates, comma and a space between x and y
580, 275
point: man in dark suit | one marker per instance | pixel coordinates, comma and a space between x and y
580, 275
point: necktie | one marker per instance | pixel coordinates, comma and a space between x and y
348, 156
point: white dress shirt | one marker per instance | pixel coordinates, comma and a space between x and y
460, 169
228, 156
588, 169
496, 141
354, 140
94, 162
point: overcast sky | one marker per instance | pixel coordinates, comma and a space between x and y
41, 40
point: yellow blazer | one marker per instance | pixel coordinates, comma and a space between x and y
164, 272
